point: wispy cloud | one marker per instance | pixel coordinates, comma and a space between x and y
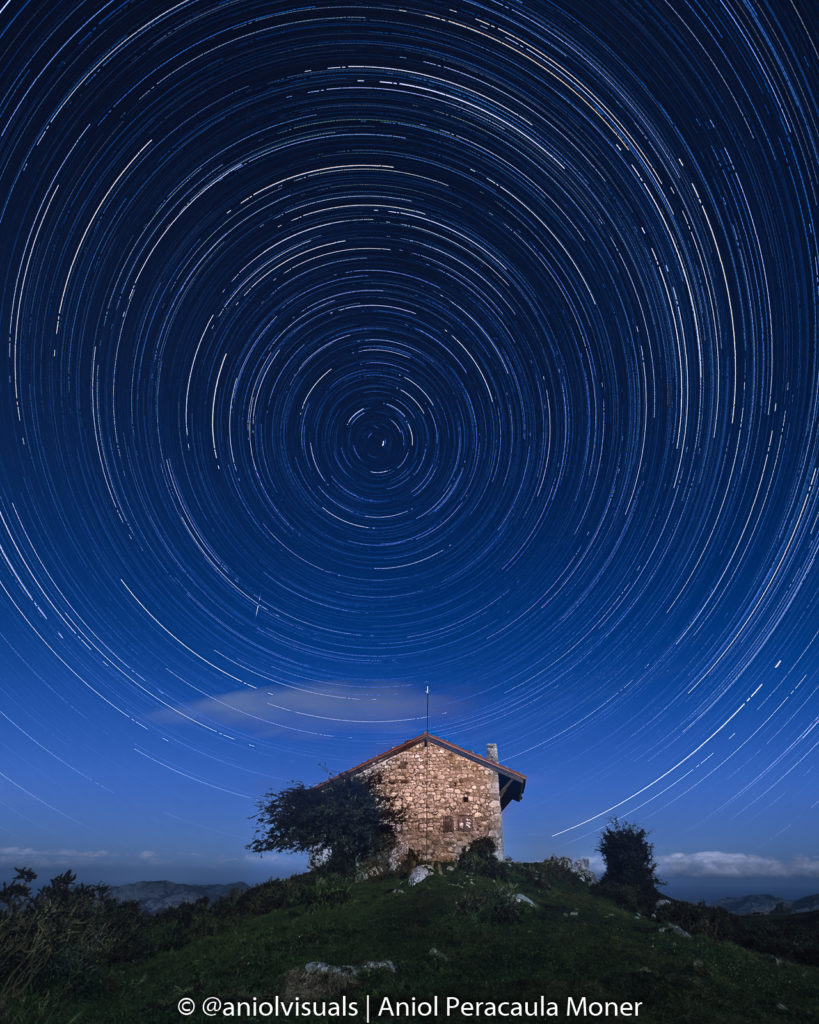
718, 864
316, 709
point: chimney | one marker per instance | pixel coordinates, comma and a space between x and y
492, 752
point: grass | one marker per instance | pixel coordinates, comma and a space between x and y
453, 935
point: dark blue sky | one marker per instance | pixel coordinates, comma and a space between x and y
354, 349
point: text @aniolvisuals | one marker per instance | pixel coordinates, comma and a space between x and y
367, 1009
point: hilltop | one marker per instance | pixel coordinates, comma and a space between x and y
453, 935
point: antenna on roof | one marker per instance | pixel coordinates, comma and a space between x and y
427, 709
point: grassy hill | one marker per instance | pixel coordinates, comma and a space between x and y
454, 935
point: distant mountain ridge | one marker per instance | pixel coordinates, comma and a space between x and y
160, 895
156, 896
766, 904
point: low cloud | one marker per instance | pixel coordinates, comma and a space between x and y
596, 864
717, 864
267, 858
21, 855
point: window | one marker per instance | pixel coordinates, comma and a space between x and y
447, 825
464, 822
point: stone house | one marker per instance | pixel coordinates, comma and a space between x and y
449, 796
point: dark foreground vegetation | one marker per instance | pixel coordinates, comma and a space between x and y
72, 955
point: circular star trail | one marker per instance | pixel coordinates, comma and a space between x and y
352, 348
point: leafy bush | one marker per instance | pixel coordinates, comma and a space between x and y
699, 919
630, 878
564, 869
61, 934
341, 822
479, 858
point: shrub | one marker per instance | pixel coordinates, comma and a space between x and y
564, 869
341, 822
630, 878
699, 919
61, 934
479, 858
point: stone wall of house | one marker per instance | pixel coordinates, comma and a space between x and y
447, 801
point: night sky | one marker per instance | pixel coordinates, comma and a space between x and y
358, 348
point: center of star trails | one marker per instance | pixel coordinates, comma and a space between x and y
378, 442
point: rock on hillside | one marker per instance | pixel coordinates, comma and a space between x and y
156, 896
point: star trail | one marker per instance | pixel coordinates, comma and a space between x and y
355, 348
